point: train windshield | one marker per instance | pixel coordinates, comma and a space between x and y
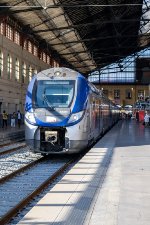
54, 93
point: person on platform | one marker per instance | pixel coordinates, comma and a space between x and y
137, 115
13, 117
19, 118
146, 119
4, 118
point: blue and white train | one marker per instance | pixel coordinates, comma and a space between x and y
64, 113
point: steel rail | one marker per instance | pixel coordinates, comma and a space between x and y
11, 150
11, 142
22, 169
6, 218
11, 213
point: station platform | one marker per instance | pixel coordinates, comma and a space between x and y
110, 185
11, 133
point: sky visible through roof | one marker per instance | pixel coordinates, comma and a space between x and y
124, 71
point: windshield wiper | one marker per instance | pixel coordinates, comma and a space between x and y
47, 102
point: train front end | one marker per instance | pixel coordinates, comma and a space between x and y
54, 112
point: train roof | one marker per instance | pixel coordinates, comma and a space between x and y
57, 73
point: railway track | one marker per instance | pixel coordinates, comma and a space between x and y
5, 141
14, 159
11, 147
17, 191
24, 176
21, 186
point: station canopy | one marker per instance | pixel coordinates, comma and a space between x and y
84, 35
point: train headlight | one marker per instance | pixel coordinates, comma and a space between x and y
75, 117
57, 73
30, 117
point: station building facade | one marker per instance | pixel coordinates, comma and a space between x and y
125, 94
125, 82
20, 59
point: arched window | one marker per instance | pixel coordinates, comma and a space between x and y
30, 73
17, 37
30, 46
9, 32
48, 59
9, 66
1, 63
2, 28
35, 50
44, 57
25, 44
17, 69
54, 63
35, 71
24, 72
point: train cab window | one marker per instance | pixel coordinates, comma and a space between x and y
53, 94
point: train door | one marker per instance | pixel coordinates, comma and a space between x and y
111, 111
97, 116
91, 109
100, 116
0, 107
95, 123
86, 123
91, 120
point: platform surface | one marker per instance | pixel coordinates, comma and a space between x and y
11, 133
10, 129
110, 185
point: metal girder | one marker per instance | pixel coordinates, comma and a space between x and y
52, 6
98, 51
91, 24
103, 56
99, 38
75, 61
102, 51
104, 32
100, 64
74, 53
49, 6
4, 8
45, 21
44, 15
